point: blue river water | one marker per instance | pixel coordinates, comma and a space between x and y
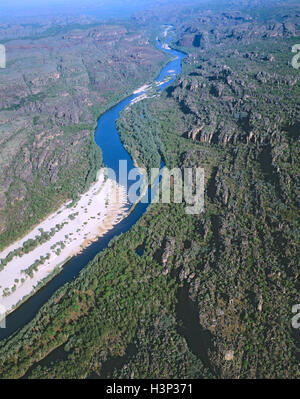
107, 137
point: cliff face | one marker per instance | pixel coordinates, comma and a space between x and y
239, 103
51, 93
234, 27
234, 112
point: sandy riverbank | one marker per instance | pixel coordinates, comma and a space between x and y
96, 212
142, 89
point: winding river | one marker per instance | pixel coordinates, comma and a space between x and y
107, 137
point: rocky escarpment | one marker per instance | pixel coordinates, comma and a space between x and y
211, 29
235, 113
51, 93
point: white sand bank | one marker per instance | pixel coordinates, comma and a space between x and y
141, 89
95, 213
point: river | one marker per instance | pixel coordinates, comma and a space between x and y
108, 139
